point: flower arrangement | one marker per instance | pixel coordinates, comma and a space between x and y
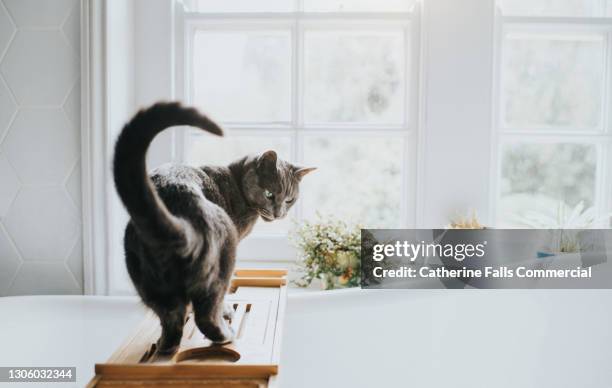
329, 251
463, 222
565, 222
565, 217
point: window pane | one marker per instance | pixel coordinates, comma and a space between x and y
359, 179
203, 149
358, 5
553, 80
243, 76
245, 5
539, 178
569, 8
354, 77
211, 150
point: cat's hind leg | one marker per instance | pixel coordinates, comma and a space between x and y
208, 304
172, 321
208, 312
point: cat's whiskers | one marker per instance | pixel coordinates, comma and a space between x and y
265, 214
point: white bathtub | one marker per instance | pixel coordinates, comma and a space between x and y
355, 338
64, 331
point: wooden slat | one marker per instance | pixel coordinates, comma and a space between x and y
185, 371
94, 382
239, 316
253, 356
257, 282
260, 273
186, 383
140, 339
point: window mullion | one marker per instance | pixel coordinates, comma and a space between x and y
295, 86
607, 115
606, 148
298, 77
599, 201
499, 32
299, 74
606, 191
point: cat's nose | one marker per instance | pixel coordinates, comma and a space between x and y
279, 211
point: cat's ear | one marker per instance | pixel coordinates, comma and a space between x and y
301, 171
267, 159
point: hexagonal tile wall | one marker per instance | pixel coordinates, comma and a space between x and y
9, 262
72, 105
7, 29
40, 67
72, 29
42, 145
43, 224
40, 189
75, 262
57, 280
10, 185
39, 13
73, 186
8, 108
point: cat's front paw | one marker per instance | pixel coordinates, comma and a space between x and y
219, 333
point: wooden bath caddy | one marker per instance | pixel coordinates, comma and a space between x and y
252, 360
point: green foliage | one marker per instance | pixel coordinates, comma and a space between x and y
329, 250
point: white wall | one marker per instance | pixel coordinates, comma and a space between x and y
456, 136
122, 74
40, 175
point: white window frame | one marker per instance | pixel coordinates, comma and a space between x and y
600, 137
451, 168
275, 247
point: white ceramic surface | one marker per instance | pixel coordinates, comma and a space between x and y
355, 338
64, 331
449, 338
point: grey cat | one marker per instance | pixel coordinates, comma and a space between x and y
186, 222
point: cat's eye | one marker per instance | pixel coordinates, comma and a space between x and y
290, 201
268, 194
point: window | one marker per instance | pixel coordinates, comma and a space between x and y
556, 8
329, 84
401, 139
553, 124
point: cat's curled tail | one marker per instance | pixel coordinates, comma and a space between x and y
150, 216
